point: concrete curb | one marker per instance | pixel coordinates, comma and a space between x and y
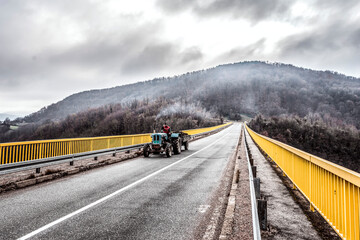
36, 179
227, 227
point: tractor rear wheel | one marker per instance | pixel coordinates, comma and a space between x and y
177, 146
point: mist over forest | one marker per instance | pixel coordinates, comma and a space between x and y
226, 91
241, 88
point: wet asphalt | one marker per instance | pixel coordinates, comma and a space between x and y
167, 204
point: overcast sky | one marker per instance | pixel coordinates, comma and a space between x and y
51, 49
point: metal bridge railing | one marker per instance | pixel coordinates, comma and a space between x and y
25, 151
331, 189
203, 130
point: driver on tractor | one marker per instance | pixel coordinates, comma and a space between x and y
166, 129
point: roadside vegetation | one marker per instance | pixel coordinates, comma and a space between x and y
117, 119
336, 142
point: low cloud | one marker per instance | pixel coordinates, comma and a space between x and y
190, 109
331, 43
254, 50
254, 11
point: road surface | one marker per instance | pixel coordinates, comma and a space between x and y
142, 198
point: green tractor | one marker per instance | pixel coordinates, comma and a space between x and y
167, 143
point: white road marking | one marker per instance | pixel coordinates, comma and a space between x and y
47, 226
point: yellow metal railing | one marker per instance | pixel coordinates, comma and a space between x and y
331, 189
31, 150
202, 130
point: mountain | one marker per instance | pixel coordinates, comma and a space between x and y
229, 90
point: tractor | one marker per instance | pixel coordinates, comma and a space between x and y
167, 143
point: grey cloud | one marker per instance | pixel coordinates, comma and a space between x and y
152, 57
252, 51
159, 56
191, 54
333, 37
335, 4
109, 50
332, 44
248, 9
176, 5
134, 47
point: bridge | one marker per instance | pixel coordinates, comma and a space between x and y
216, 190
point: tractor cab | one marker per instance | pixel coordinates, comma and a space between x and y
159, 138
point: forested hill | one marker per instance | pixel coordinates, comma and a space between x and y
232, 89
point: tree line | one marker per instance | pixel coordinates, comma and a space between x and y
338, 144
116, 119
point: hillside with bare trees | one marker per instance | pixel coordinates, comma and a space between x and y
338, 144
116, 119
246, 88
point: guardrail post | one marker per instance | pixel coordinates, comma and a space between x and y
69, 148
310, 192
262, 212
37, 170
72, 162
114, 154
251, 159
40, 149
253, 168
257, 187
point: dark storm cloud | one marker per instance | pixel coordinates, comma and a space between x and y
248, 9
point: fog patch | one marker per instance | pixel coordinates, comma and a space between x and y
194, 110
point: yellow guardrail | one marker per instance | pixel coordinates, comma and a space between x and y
202, 130
31, 150
331, 189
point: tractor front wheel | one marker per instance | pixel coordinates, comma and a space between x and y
146, 150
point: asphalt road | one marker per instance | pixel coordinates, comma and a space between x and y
142, 198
